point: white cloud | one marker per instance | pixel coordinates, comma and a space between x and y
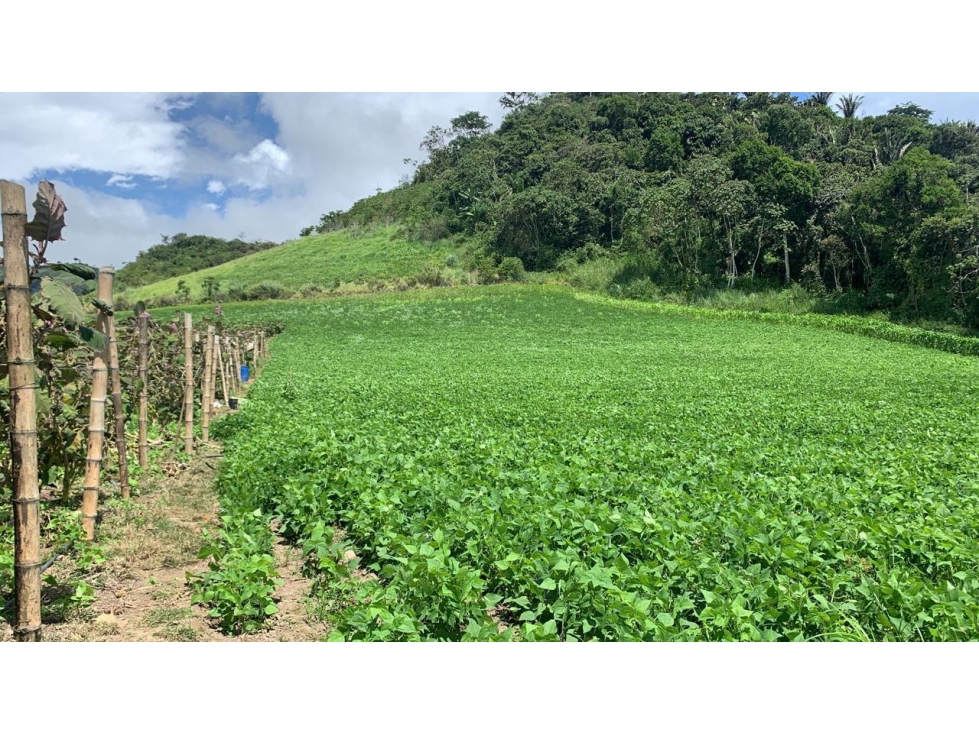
261, 165
216, 187
212, 206
118, 133
120, 180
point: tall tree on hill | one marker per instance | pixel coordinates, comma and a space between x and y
848, 105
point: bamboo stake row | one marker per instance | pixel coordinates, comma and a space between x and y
105, 370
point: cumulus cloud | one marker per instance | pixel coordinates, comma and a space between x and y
216, 187
259, 167
117, 133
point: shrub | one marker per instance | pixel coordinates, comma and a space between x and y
311, 290
511, 269
267, 291
433, 277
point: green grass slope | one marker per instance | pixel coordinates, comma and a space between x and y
345, 257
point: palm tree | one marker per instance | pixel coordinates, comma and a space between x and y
849, 104
820, 99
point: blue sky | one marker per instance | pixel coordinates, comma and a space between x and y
133, 167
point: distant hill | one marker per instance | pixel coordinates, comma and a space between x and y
182, 254
328, 262
699, 192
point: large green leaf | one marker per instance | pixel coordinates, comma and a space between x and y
95, 339
81, 270
60, 301
49, 214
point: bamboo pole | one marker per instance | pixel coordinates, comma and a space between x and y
143, 327
23, 415
255, 353
106, 276
206, 389
224, 378
229, 345
96, 434
213, 395
188, 384
237, 364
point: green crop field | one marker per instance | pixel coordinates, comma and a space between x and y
522, 462
321, 260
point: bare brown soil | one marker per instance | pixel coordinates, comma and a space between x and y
151, 543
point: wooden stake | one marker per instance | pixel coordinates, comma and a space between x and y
237, 365
206, 389
143, 327
224, 379
106, 276
255, 353
215, 367
96, 434
188, 384
23, 415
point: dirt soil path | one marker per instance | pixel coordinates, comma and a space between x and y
151, 543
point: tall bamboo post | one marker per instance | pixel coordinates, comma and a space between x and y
206, 389
188, 384
255, 353
143, 328
224, 378
96, 435
106, 276
229, 366
23, 415
237, 364
215, 365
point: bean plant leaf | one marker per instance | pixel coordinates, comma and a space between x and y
49, 214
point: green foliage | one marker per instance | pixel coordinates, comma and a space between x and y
240, 581
600, 470
511, 269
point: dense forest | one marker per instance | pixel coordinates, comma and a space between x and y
696, 191
181, 254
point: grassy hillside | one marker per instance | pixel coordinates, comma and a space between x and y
326, 262
181, 254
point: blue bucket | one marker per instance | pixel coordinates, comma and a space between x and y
244, 373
